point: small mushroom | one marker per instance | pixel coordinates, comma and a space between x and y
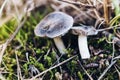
54, 25
82, 32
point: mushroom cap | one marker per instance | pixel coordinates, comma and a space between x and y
53, 25
84, 30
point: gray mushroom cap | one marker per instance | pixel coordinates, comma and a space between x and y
53, 25
84, 30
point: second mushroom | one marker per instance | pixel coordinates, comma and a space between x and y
82, 32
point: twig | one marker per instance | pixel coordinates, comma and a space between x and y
2, 50
4, 46
53, 67
78, 4
85, 71
107, 35
4, 20
19, 75
100, 1
99, 30
57, 8
96, 13
117, 72
1, 9
106, 70
100, 23
17, 30
118, 57
16, 10
106, 15
113, 53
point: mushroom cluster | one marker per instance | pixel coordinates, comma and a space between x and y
55, 25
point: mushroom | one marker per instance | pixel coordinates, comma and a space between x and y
54, 25
82, 32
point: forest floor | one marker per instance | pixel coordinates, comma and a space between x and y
25, 56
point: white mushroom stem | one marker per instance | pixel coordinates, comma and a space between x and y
83, 47
59, 44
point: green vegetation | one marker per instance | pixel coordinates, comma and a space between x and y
36, 54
